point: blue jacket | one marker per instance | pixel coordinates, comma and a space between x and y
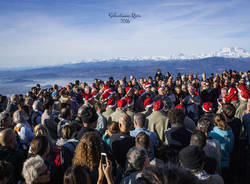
226, 139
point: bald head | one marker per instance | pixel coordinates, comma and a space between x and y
124, 123
8, 138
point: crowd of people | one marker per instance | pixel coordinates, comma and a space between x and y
155, 130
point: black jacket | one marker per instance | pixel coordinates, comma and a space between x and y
120, 144
14, 156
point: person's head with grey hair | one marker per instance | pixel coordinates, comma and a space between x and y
14, 98
37, 106
124, 123
224, 91
138, 158
153, 89
35, 171
19, 116
139, 120
28, 101
57, 105
5, 120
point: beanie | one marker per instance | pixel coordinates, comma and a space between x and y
87, 114
191, 157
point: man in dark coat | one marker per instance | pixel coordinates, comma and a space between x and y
192, 103
10, 152
122, 141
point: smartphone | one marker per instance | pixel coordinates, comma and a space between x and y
103, 157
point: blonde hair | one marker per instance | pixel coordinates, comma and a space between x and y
41, 130
220, 122
88, 151
66, 132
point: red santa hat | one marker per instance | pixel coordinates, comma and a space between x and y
107, 89
244, 96
207, 107
148, 102
122, 104
130, 101
128, 90
242, 88
147, 85
160, 88
232, 94
180, 106
111, 103
158, 105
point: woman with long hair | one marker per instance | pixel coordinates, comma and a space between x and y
224, 134
88, 153
76, 175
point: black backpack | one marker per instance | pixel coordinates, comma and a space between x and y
64, 155
63, 160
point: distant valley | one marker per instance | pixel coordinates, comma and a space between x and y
15, 80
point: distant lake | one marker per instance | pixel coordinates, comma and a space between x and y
22, 86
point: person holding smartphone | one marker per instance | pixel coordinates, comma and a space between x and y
105, 169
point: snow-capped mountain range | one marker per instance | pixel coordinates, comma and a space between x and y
232, 52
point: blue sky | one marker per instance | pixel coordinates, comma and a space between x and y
51, 32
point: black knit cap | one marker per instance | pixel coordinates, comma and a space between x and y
191, 157
87, 114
